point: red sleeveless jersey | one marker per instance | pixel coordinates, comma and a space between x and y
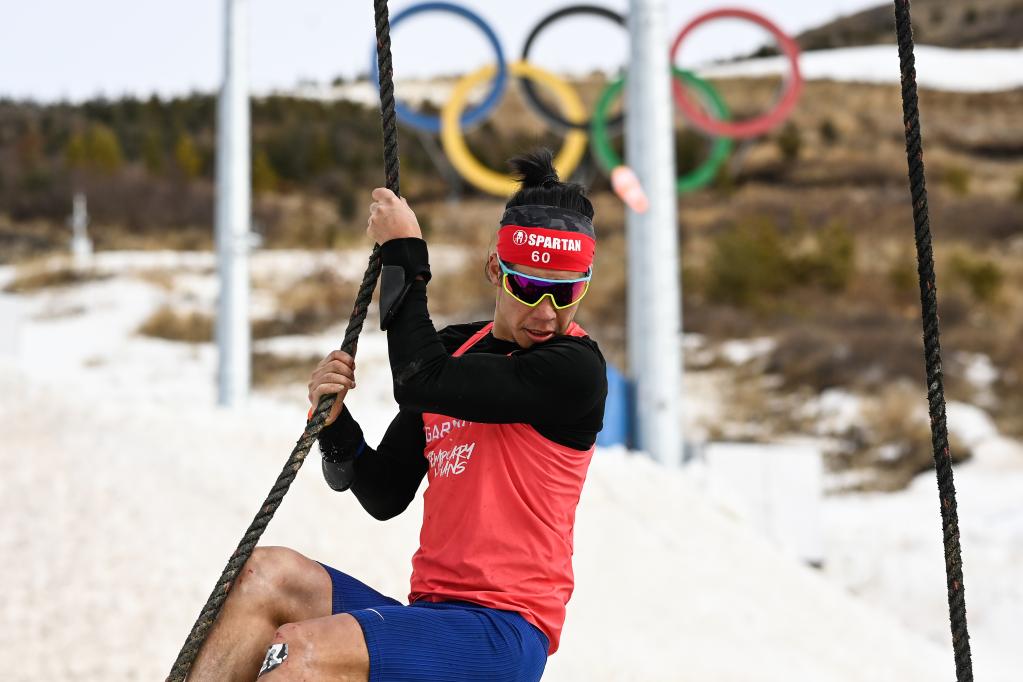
498, 516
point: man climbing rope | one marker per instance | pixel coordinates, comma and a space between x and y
500, 416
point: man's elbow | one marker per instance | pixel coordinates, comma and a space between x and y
411, 383
386, 509
408, 394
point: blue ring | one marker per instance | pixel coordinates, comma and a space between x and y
432, 124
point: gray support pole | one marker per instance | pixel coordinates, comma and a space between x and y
655, 311
233, 210
81, 245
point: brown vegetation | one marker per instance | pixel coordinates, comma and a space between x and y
808, 238
174, 325
43, 275
270, 369
978, 23
892, 442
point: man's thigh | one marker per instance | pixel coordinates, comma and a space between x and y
450, 641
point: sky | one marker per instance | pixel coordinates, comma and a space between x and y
68, 49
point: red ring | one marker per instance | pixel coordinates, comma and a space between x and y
753, 126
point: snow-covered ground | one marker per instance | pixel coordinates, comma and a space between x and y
938, 68
125, 489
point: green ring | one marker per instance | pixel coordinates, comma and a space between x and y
698, 177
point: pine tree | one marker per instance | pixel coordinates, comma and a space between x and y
102, 149
187, 157
152, 152
264, 177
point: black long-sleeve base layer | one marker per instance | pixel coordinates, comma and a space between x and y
558, 387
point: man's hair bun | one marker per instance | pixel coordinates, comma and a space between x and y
540, 184
534, 169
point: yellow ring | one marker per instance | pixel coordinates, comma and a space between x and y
474, 172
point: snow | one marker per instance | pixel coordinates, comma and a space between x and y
125, 489
741, 351
835, 411
937, 68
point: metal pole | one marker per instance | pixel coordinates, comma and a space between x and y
655, 311
81, 245
233, 210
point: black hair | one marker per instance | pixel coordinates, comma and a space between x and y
540, 184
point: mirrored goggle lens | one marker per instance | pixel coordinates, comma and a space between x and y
530, 291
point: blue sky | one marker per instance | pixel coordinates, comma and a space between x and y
71, 49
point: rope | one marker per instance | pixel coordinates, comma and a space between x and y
932, 347
208, 615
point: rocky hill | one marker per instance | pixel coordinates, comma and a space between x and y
961, 24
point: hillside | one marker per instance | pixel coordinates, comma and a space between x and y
804, 238
961, 24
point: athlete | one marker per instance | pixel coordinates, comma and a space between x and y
501, 417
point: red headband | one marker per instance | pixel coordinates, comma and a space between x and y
544, 247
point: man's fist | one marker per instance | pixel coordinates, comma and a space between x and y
334, 374
391, 218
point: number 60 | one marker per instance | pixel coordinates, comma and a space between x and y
539, 257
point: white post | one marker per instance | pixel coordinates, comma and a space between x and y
233, 209
655, 311
81, 245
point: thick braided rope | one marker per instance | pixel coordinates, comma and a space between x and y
208, 615
932, 347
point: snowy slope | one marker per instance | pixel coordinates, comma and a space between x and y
938, 68
127, 489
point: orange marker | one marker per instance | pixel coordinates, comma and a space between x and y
626, 186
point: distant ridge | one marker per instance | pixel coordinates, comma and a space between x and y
959, 24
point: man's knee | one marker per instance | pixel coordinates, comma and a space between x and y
284, 581
324, 648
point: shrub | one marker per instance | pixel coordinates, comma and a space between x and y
754, 259
269, 369
187, 157
829, 132
690, 151
747, 262
830, 260
982, 276
891, 442
35, 277
97, 148
314, 303
903, 277
174, 325
790, 142
957, 179
264, 178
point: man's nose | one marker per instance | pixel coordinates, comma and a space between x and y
545, 308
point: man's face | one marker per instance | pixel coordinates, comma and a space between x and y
525, 325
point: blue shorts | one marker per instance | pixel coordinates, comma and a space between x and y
440, 641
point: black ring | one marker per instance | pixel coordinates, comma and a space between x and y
529, 89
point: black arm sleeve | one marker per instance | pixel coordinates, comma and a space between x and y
556, 382
384, 479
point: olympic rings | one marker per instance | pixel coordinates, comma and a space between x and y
431, 124
711, 117
472, 170
553, 117
690, 182
755, 126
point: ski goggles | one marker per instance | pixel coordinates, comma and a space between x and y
529, 290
